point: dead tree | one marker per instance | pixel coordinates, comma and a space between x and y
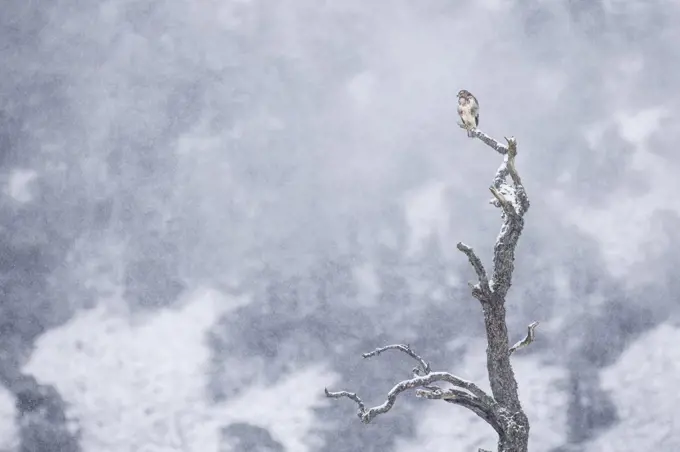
501, 409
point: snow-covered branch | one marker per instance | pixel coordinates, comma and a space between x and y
481, 289
528, 339
465, 392
495, 145
513, 201
488, 412
424, 366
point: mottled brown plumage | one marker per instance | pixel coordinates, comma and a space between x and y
468, 110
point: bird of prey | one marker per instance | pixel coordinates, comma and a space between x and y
468, 110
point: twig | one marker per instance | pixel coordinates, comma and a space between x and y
349, 395
424, 365
527, 340
367, 416
512, 153
476, 262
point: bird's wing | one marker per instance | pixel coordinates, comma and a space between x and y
467, 116
474, 110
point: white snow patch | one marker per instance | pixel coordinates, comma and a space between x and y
284, 409
642, 384
140, 385
131, 384
18, 185
442, 425
9, 433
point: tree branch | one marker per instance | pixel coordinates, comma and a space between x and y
517, 193
418, 381
514, 202
482, 287
424, 366
502, 200
367, 416
464, 399
527, 340
349, 395
495, 145
520, 192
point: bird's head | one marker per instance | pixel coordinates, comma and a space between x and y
463, 93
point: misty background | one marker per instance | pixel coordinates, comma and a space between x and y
211, 208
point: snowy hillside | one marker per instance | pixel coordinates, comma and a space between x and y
140, 386
643, 385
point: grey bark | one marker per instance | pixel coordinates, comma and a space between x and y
501, 409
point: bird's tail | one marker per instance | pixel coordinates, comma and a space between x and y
469, 133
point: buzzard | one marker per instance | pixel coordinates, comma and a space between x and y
468, 110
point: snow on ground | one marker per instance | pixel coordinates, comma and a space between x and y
285, 409
443, 426
643, 383
140, 386
9, 434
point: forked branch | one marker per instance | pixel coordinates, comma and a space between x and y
493, 144
468, 393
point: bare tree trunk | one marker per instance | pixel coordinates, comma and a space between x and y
502, 409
